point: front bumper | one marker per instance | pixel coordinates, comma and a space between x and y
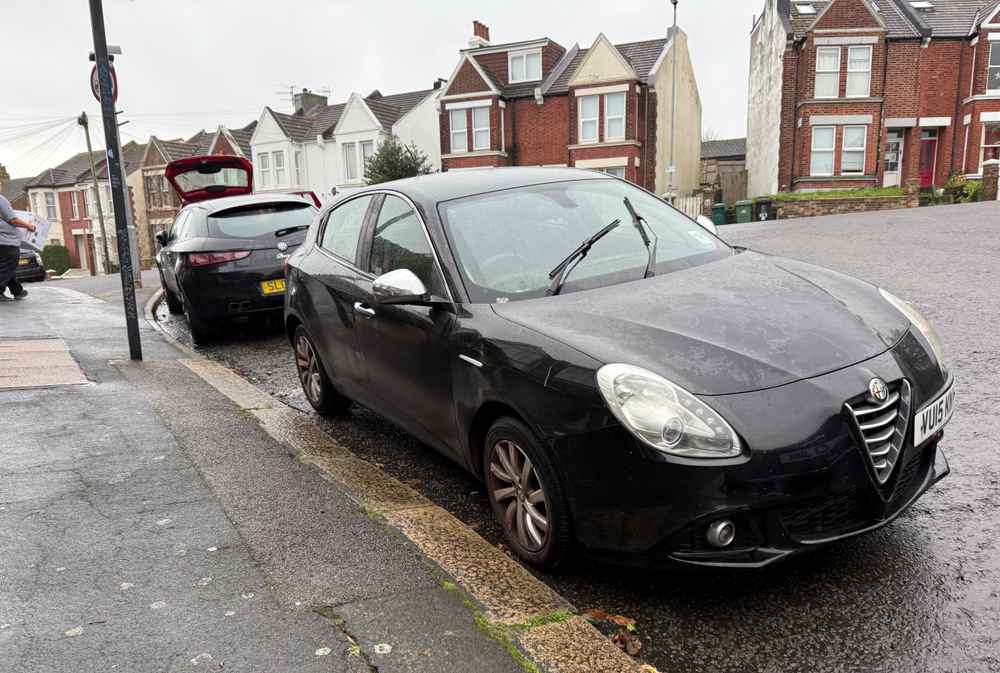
806, 480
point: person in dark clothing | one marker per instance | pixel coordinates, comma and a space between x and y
10, 248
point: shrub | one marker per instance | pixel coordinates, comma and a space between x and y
970, 191
395, 161
869, 193
55, 257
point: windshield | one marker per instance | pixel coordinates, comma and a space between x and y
508, 242
259, 219
193, 181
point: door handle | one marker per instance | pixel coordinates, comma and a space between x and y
364, 309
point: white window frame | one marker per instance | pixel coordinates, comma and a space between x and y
835, 73
350, 151
867, 71
994, 46
164, 185
278, 167
75, 204
458, 148
581, 120
365, 155
297, 165
832, 151
107, 201
88, 202
845, 150
523, 56
51, 207
264, 168
617, 171
477, 130
608, 117
983, 145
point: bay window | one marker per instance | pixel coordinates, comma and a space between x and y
264, 168
614, 116
459, 131
827, 72
993, 79
88, 202
823, 143
278, 159
481, 128
367, 150
525, 66
51, 213
350, 162
297, 164
852, 159
589, 114
859, 72
74, 202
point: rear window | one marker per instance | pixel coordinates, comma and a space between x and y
259, 219
192, 181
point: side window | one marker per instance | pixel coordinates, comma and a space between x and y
399, 242
343, 228
177, 229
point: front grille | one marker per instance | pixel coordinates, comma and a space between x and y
822, 517
882, 426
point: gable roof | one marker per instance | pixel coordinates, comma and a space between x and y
15, 187
67, 173
242, 137
948, 18
718, 149
641, 56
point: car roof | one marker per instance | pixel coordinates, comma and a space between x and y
437, 187
215, 205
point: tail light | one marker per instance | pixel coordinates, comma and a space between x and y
208, 258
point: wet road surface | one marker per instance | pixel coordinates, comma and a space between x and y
922, 594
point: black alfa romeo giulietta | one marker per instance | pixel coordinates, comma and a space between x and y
625, 382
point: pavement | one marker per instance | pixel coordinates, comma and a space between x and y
923, 594
150, 522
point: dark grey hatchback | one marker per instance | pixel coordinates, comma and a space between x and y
622, 379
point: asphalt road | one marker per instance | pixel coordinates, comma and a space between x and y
920, 595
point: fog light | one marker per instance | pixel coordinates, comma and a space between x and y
721, 533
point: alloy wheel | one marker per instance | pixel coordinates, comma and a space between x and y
516, 488
308, 365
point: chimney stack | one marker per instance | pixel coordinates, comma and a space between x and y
480, 35
439, 82
305, 101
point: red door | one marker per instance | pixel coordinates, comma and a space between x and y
928, 158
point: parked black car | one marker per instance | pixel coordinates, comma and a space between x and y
224, 255
619, 377
29, 266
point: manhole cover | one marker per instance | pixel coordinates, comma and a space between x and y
37, 363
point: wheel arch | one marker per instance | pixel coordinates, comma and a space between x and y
489, 412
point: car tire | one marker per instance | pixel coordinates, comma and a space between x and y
174, 304
201, 332
316, 386
522, 501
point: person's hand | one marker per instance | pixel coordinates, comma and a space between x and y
30, 226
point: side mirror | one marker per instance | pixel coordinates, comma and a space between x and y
708, 224
399, 287
162, 239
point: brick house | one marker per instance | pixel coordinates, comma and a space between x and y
536, 103
866, 93
158, 202
65, 196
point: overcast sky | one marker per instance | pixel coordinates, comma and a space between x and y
193, 64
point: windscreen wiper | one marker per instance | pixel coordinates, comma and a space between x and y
288, 230
640, 223
559, 274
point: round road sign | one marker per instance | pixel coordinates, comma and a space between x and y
96, 88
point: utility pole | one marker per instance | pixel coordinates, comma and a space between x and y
672, 169
114, 162
83, 121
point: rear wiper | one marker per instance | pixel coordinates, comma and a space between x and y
559, 274
289, 230
640, 223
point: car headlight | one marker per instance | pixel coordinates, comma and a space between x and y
664, 415
918, 321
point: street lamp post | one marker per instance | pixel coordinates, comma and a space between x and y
672, 169
115, 176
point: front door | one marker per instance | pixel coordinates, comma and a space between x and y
406, 348
81, 251
893, 159
928, 157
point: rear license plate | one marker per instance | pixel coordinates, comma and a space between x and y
24, 262
933, 416
273, 286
